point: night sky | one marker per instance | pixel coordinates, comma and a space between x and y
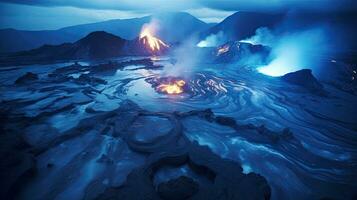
54, 14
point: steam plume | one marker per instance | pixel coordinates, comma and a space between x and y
291, 51
212, 40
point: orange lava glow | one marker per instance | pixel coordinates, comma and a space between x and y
154, 43
223, 49
172, 88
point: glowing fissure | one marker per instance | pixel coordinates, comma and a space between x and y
222, 50
175, 87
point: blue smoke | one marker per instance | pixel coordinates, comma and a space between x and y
292, 51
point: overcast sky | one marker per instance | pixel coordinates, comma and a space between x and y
54, 14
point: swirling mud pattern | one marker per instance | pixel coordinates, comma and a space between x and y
90, 130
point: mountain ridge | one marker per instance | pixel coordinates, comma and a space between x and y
12, 40
96, 45
232, 25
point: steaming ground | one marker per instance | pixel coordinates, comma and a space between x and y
318, 160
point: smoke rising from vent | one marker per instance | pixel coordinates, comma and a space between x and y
186, 58
262, 36
212, 40
291, 51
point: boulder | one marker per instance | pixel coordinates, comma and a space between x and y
27, 78
177, 189
305, 79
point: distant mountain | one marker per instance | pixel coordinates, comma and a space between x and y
124, 28
241, 25
174, 27
178, 27
96, 45
12, 40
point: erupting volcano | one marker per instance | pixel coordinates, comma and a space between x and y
152, 42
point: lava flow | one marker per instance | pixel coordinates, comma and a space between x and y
222, 50
175, 87
154, 43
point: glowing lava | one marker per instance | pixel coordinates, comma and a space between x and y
155, 44
175, 87
222, 50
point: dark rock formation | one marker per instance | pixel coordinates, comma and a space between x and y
244, 53
74, 68
177, 189
229, 181
87, 79
89, 74
239, 19
226, 179
99, 45
16, 165
27, 78
227, 121
105, 159
305, 79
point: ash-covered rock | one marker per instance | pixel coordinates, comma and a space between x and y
27, 78
87, 79
177, 189
171, 148
229, 180
105, 159
305, 79
74, 68
16, 164
244, 53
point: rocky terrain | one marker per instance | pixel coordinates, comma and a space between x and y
100, 130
